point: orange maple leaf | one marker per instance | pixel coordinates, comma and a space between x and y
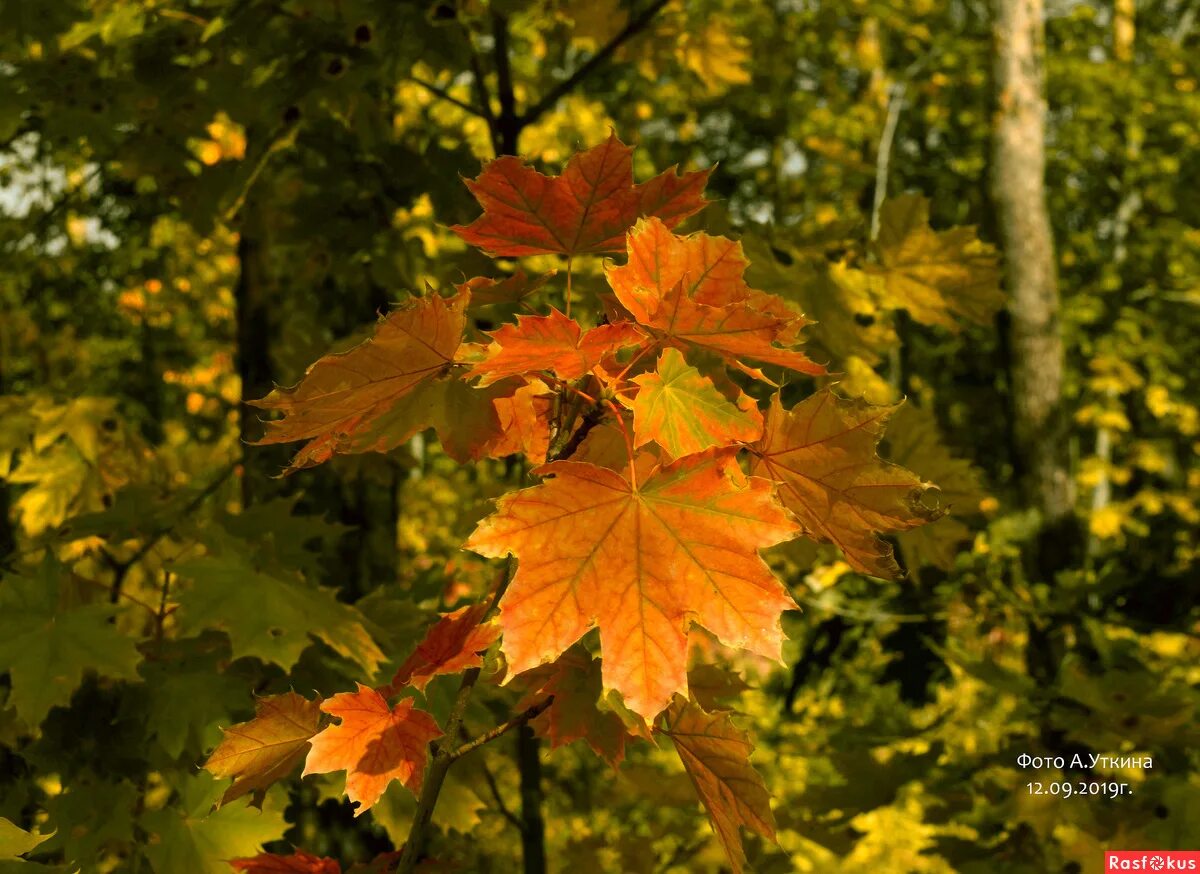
451, 646
373, 744
694, 296
555, 343
574, 681
716, 756
298, 862
265, 749
642, 562
525, 422
822, 454
375, 396
709, 267
587, 209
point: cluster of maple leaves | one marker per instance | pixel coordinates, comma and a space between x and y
661, 480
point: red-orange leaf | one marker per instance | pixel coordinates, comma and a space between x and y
575, 714
373, 744
716, 755
587, 209
735, 331
710, 268
268, 747
452, 645
379, 393
641, 562
555, 343
822, 454
298, 862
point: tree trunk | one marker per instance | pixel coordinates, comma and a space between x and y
1019, 170
253, 355
533, 831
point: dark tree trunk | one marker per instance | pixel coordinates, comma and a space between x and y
533, 827
253, 354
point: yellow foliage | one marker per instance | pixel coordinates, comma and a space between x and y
1106, 523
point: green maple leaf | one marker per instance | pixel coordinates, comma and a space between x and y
188, 702
268, 617
682, 411
15, 841
48, 643
188, 837
82, 836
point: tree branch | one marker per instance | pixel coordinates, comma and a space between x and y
490, 779
121, 568
438, 91
502, 729
635, 26
443, 755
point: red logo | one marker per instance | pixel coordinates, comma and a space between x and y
1152, 860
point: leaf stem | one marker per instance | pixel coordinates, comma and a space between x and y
568, 313
628, 443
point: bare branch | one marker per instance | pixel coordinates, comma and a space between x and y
438, 91
502, 729
635, 26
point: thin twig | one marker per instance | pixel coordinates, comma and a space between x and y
490, 779
448, 97
551, 97
443, 755
502, 729
883, 156
121, 568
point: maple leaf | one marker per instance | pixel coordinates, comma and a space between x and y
682, 411
270, 617
915, 441
716, 756
513, 289
710, 268
713, 310
373, 744
709, 685
575, 714
935, 275
265, 749
587, 209
642, 562
524, 422
47, 644
736, 331
376, 395
298, 862
822, 455
452, 645
15, 841
555, 343
192, 837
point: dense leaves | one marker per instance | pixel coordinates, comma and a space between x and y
200, 203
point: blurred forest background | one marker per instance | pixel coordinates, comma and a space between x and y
200, 197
